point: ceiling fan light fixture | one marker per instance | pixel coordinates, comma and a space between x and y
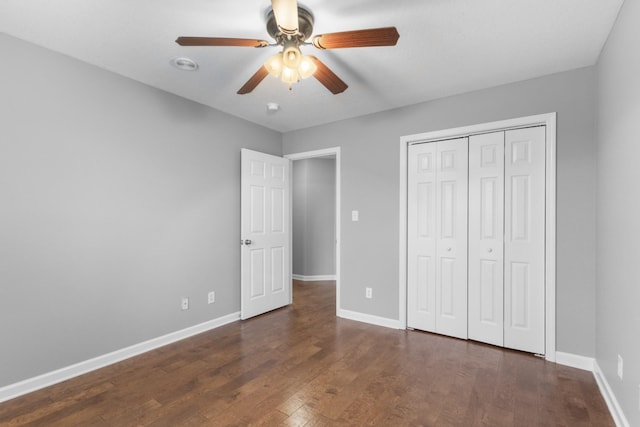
293, 58
291, 65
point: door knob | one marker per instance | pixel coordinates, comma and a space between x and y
489, 250
247, 242
448, 249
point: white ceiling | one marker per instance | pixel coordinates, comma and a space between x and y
445, 47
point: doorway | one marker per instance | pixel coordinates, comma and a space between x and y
312, 256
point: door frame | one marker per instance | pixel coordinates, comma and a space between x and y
549, 120
333, 151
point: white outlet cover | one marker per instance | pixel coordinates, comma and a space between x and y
185, 303
355, 215
211, 297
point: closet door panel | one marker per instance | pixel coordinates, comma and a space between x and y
524, 239
421, 221
486, 236
451, 237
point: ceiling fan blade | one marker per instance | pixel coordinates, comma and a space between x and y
328, 78
253, 81
387, 36
220, 41
286, 13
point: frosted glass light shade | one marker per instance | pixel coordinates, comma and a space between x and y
291, 57
274, 65
307, 67
290, 75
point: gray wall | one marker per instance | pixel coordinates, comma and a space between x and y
314, 207
370, 184
618, 237
117, 200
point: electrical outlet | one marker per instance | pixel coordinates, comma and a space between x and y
211, 298
355, 216
185, 303
368, 293
620, 366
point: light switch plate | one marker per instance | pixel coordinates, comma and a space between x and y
620, 366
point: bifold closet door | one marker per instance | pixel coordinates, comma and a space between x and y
437, 240
524, 260
421, 239
486, 238
506, 238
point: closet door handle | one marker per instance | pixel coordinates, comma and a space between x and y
489, 250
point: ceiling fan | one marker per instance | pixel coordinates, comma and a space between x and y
291, 26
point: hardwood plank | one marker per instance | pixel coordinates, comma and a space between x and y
301, 365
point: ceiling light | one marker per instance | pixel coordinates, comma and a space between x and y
184, 64
291, 65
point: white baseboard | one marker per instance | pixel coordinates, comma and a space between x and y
575, 361
590, 364
41, 381
314, 278
369, 318
609, 397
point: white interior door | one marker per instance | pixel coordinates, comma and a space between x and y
451, 237
524, 245
264, 233
421, 222
437, 237
486, 238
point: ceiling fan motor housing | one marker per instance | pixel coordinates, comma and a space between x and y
305, 26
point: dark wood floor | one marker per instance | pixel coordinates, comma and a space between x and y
303, 366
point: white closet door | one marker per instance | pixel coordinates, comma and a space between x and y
524, 239
486, 236
437, 241
451, 237
421, 221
